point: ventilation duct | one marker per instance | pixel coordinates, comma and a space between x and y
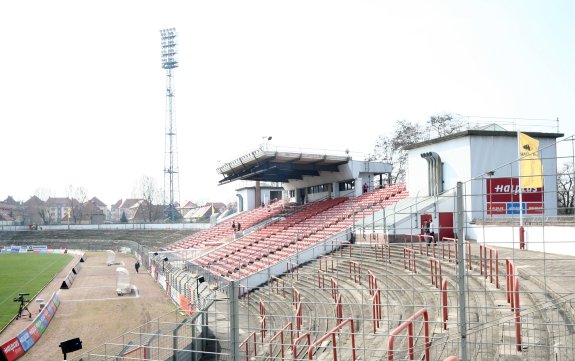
434, 173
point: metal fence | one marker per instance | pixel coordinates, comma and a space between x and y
487, 286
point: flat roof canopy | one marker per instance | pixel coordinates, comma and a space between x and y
279, 166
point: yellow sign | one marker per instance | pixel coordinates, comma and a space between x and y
531, 171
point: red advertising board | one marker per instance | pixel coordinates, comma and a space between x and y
12, 349
503, 194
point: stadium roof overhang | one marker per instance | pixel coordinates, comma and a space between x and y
276, 166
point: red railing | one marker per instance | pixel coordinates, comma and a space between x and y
338, 309
409, 259
334, 333
275, 285
493, 253
355, 272
293, 268
263, 320
452, 242
320, 279
435, 271
382, 250
376, 309
409, 325
334, 288
444, 301
295, 296
306, 336
298, 318
328, 261
512, 290
247, 345
371, 281
425, 240
280, 334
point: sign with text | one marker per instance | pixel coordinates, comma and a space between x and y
503, 197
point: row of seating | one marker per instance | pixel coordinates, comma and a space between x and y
223, 232
282, 239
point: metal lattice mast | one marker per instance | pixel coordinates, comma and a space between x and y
171, 182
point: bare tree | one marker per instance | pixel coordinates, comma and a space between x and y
41, 208
78, 197
565, 190
148, 190
390, 148
445, 124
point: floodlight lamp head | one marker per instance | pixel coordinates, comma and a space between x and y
201, 279
165, 259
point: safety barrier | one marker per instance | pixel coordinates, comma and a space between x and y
324, 262
371, 281
409, 259
409, 325
292, 268
19, 345
355, 271
334, 333
280, 334
334, 288
338, 309
298, 318
275, 285
512, 290
376, 309
427, 241
435, 271
445, 313
71, 276
263, 320
246, 344
452, 242
321, 279
307, 337
382, 250
295, 296
483, 260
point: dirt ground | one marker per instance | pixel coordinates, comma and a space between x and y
91, 310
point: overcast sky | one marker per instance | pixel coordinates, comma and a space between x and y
82, 91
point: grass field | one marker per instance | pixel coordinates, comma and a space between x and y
25, 273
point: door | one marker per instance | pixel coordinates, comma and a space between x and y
424, 218
446, 225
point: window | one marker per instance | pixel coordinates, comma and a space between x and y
347, 185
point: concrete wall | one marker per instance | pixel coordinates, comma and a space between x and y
551, 239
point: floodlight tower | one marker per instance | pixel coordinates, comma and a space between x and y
171, 182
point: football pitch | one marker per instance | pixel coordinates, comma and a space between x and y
25, 273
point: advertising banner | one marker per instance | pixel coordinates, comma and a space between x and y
502, 197
12, 349
25, 340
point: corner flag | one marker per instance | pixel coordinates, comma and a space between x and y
531, 174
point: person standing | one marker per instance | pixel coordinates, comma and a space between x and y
137, 266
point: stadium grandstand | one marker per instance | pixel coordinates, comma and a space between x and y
460, 262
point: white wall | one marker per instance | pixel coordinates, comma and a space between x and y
551, 239
456, 158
